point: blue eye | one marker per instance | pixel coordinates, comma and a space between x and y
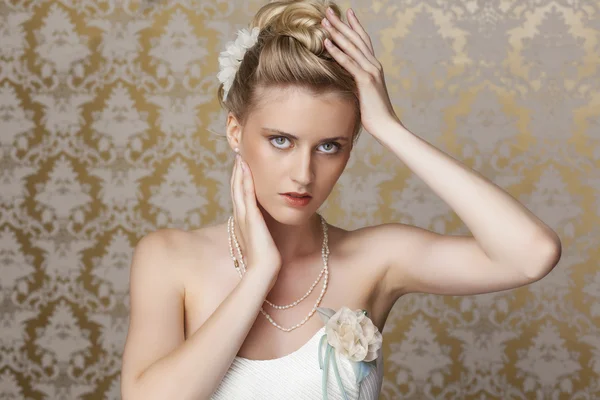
280, 140
278, 137
337, 147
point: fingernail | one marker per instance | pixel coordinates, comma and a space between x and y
326, 22
243, 165
330, 10
352, 12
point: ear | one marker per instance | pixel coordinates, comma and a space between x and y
234, 132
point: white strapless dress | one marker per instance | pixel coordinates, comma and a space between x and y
297, 376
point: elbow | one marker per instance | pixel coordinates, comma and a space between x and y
548, 251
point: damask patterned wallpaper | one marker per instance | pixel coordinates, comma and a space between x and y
108, 117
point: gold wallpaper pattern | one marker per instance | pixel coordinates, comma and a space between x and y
108, 117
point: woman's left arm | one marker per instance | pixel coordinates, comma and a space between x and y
504, 230
510, 246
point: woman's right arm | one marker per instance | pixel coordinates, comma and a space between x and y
158, 363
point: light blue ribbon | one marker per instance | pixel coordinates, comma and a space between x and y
329, 356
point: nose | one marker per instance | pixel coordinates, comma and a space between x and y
302, 168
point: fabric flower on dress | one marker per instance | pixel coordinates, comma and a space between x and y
231, 58
353, 335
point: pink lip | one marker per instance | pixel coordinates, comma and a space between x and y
298, 194
296, 202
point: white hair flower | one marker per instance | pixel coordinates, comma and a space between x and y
231, 58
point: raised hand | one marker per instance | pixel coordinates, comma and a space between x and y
259, 249
352, 48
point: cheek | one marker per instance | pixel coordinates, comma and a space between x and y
329, 174
261, 178
336, 167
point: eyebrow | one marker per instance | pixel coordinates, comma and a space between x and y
339, 138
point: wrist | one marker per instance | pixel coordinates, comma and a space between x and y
262, 271
261, 279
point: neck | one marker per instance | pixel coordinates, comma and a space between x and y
293, 242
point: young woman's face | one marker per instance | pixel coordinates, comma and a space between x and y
311, 162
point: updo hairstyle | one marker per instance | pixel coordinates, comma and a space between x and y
289, 52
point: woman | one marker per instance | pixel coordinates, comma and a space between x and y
246, 309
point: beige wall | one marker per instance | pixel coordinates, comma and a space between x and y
105, 121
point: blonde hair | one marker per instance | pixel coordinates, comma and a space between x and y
289, 52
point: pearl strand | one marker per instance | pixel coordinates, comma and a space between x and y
325, 255
230, 230
295, 303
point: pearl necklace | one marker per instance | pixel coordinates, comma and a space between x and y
241, 269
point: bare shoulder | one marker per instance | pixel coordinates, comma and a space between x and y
175, 245
370, 241
354, 245
362, 247
387, 245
